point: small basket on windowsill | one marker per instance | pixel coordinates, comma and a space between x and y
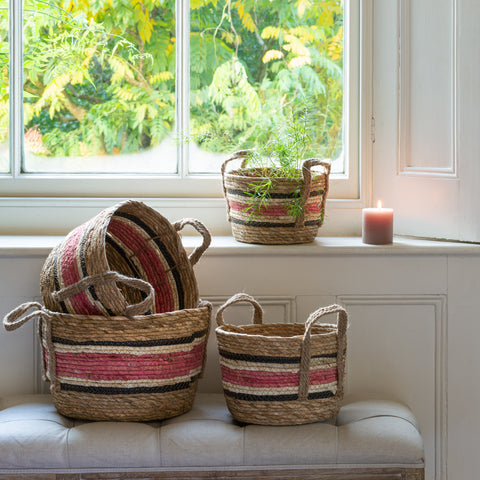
275, 222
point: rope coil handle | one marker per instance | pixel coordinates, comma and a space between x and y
307, 183
305, 356
14, 320
241, 154
307, 179
194, 257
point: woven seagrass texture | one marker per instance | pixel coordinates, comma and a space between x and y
275, 223
282, 374
140, 368
134, 240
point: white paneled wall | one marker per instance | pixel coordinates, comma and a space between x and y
413, 335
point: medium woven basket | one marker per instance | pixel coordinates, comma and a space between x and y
139, 368
134, 240
282, 374
274, 223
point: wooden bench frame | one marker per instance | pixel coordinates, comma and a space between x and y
322, 473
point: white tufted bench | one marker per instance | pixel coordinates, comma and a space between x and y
369, 440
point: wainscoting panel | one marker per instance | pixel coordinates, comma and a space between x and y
397, 350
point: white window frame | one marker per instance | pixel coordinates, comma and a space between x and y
50, 196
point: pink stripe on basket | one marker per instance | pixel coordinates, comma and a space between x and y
104, 366
151, 264
70, 273
276, 379
272, 211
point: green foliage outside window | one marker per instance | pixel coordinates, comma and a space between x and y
99, 75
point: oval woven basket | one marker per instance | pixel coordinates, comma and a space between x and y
123, 368
134, 240
282, 374
275, 222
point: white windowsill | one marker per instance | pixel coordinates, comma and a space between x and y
40, 246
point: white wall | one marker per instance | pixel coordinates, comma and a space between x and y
413, 332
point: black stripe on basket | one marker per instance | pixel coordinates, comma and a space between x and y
68, 387
83, 266
165, 253
58, 258
111, 241
250, 223
136, 343
251, 193
267, 359
276, 398
130, 264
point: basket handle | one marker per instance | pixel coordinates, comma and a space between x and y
194, 257
307, 182
15, 318
18, 317
241, 297
305, 357
140, 308
234, 156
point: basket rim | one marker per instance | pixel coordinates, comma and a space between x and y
201, 307
225, 330
243, 173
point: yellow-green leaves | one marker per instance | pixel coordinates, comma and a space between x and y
270, 32
272, 55
245, 16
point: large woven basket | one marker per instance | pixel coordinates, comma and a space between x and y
122, 368
282, 374
275, 223
134, 240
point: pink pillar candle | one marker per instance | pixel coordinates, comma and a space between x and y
377, 225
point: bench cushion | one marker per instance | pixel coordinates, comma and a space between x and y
34, 437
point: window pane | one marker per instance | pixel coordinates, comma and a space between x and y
255, 65
4, 81
99, 86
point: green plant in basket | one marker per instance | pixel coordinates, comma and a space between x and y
280, 157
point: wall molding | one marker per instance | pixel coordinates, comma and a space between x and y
439, 303
289, 305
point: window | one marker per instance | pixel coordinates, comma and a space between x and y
144, 98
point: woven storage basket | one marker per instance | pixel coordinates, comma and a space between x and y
273, 224
123, 368
134, 240
282, 374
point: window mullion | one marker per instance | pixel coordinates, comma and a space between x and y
182, 83
16, 86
